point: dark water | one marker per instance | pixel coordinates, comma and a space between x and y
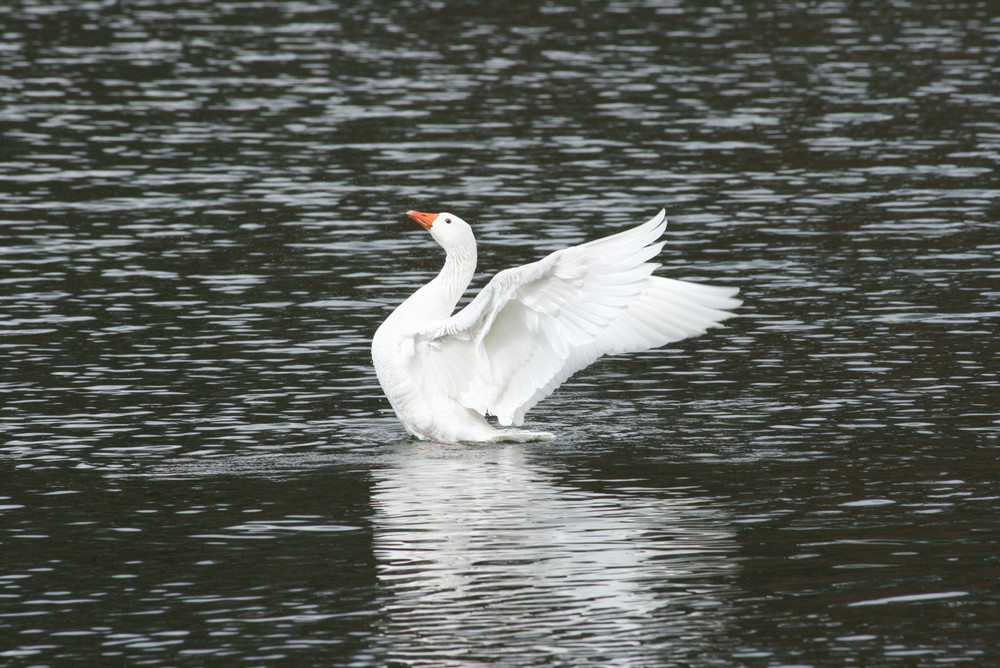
200, 218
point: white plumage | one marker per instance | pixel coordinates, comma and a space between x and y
529, 329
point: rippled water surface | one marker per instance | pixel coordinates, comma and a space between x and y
200, 229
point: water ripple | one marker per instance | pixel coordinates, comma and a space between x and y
201, 226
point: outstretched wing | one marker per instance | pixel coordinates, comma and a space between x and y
533, 326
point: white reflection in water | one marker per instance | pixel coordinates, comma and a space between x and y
483, 557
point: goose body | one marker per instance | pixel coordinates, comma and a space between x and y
528, 330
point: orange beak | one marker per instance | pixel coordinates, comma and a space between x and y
425, 219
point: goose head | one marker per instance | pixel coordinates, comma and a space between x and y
453, 233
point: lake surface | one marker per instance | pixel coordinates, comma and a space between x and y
201, 227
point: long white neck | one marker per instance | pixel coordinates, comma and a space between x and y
457, 272
437, 299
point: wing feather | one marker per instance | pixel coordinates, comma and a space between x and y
534, 326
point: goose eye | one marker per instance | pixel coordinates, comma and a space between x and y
448, 220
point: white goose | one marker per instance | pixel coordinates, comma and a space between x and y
529, 329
